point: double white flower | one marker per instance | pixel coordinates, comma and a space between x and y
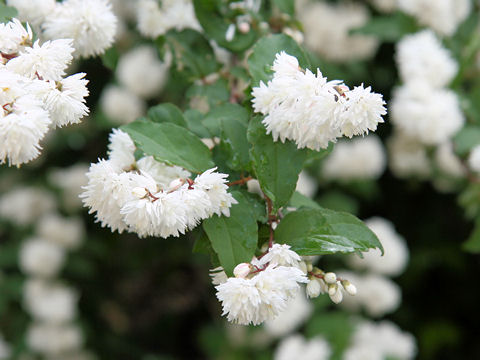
149, 197
312, 111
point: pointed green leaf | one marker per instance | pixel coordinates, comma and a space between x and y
276, 164
170, 143
322, 231
166, 113
233, 238
7, 13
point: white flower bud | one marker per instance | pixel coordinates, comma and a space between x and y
330, 278
309, 266
349, 287
139, 192
244, 27
303, 266
313, 288
242, 270
176, 184
332, 289
337, 296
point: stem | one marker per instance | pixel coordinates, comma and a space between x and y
240, 181
271, 219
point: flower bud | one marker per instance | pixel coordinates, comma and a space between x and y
349, 287
330, 278
309, 266
332, 289
303, 266
313, 288
244, 27
139, 192
242, 270
337, 296
176, 184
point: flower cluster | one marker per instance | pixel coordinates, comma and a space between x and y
312, 111
261, 289
34, 94
328, 283
149, 197
90, 23
292, 346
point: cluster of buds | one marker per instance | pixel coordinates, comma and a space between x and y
322, 282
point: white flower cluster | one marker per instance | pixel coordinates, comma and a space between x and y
312, 111
443, 16
155, 20
148, 197
5, 351
423, 108
377, 341
141, 76
408, 157
90, 23
362, 158
327, 30
261, 289
34, 94
296, 346
328, 283
69, 181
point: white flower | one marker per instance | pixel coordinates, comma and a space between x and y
395, 258
39, 257
90, 23
442, 16
141, 72
70, 181
162, 173
5, 351
280, 255
306, 184
105, 194
24, 205
54, 339
14, 37
121, 105
430, 115
21, 129
327, 30
50, 302
408, 157
297, 312
65, 100
121, 149
385, 6
64, 232
32, 11
361, 158
474, 159
155, 20
379, 295
315, 287
296, 346
422, 57
260, 298
215, 186
47, 61
304, 107
218, 276
447, 161
363, 352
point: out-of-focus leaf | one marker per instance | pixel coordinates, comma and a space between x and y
466, 139
286, 6
110, 58
473, 242
388, 28
7, 13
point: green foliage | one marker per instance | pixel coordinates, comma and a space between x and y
171, 144
389, 28
166, 113
277, 178
110, 58
466, 139
286, 6
233, 238
473, 243
7, 13
322, 231
261, 60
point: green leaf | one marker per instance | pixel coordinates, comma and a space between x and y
233, 238
299, 200
261, 60
469, 200
388, 28
258, 206
213, 94
193, 55
286, 6
170, 143
110, 58
323, 231
230, 121
466, 139
194, 122
473, 243
212, 16
166, 113
7, 13
276, 164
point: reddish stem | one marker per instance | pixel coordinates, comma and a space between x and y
240, 181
